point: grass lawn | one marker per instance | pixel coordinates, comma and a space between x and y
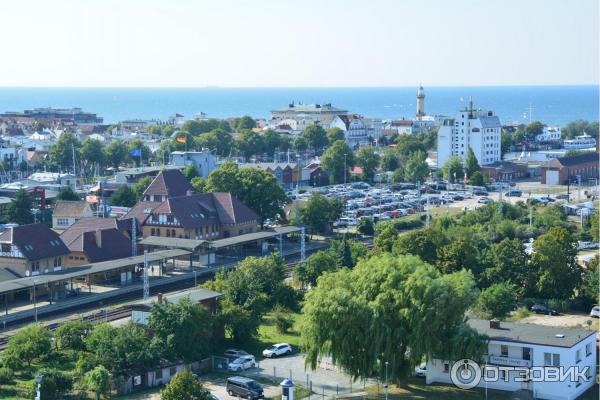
441, 211
267, 336
417, 389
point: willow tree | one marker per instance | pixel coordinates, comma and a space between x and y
389, 309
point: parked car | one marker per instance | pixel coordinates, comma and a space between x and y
235, 353
562, 196
483, 200
586, 245
242, 363
277, 350
421, 371
238, 386
595, 313
514, 193
542, 309
480, 192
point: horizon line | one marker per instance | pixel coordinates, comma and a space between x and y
303, 87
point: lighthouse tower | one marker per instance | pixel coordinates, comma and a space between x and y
420, 102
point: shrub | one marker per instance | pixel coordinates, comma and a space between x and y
560, 305
6, 375
365, 226
283, 320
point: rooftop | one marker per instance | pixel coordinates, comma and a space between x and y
531, 334
195, 295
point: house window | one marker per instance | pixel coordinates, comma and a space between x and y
35, 266
526, 353
578, 355
504, 350
168, 233
152, 231
173, 371
159, 374
552, 359
588, 349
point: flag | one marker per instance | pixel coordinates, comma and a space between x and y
135, 152
182, 139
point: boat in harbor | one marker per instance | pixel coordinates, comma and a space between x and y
584, 141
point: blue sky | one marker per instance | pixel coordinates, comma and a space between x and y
285, 43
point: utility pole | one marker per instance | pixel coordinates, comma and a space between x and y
73, 155
146, 277
427, 215
386, 380
133, 236
302, 246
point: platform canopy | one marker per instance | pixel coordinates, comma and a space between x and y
176, 243
252, 237
85, 270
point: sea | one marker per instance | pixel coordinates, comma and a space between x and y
553, 105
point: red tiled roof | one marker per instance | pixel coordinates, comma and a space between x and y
91, 224
170, 183
141, 211
113, 245
35, 241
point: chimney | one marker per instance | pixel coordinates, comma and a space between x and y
98, 235
159, 298
189, 192
494, 324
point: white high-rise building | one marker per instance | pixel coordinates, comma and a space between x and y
477, 129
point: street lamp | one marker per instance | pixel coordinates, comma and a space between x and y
38, 380
35, 314
386, 381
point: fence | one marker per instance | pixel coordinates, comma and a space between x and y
325, 382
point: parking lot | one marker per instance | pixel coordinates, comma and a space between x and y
389, 201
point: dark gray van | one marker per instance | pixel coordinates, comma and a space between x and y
244, 387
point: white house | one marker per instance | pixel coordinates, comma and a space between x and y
530, 348
356, 131
203, 160
550, 134
477, 129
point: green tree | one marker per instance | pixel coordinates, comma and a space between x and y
19, 209
250, 143
320, 212
408, 144
555, 270
140, 187
453, 169
184, 387
138, 144
256, 188
274, 141
67, 194
121, 349
55, 384
71, 335
477, 179
92, 152
506, 141
390, 160
218, 141
124, 196
61, 152
316, 137
368, 160
456, 255
423, 243
533, 129
589, 284
336, 161
30, 343
391, 309
366, 227
416, 168
497, 300
579, 127
508, 262
244, 122
300, 144
184, 327
471, 163
316, 265
116, 153
335, 134
190, 172
594, 226
384, 242
98, 381
199, 184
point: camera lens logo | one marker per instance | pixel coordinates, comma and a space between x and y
465, 374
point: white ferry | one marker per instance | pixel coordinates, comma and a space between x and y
584, 141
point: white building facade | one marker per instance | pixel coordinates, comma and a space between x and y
530, 346
477, 129
550, 134
203, 160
